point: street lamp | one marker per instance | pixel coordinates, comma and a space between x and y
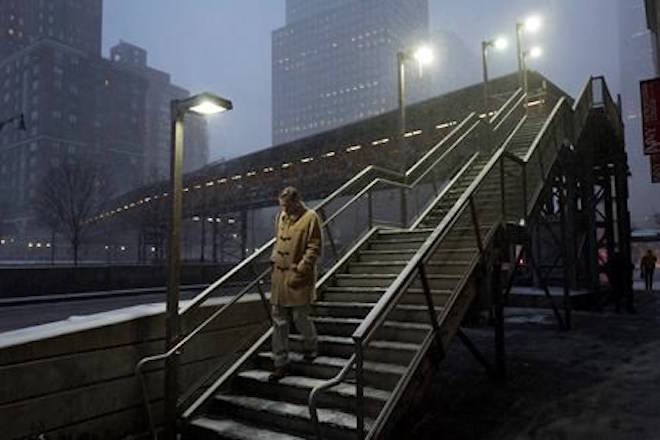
534, 52
531, 25
499, 43
424, 56
202, 104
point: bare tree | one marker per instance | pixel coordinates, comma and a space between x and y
69, 195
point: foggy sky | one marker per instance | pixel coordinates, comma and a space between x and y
223, 46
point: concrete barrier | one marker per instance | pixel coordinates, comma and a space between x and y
77, 380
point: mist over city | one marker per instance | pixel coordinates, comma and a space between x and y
329, 219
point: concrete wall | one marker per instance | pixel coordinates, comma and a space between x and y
45, 280
80, 382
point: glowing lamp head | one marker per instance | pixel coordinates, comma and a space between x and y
501, 43
533, 24
207, 108
204, 104
536, 52
423, 55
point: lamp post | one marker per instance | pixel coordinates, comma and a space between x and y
499, 44
534, 52
530, 25
423, 55
202, 104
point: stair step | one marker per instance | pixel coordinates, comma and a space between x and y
414, 296
296, 389
402, 312
384, 376
209, 427
384, 255
391, 330
389, 352
289, 416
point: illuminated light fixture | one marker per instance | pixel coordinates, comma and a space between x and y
122, 248
354, 148
412, 133
482, 116
231, 221
185, 190
211, 183
132, 205
3, 241
148, 199
250, 173
47, 245
205, 104
38, 245
307, 159
330, 154
423, 55
218, 220
269, 169
286, 165
234, 235
533, 24
125, 207
535, 52
153, 249
30, 244
444, 125
107, 247
195, 219
223, 180
380, 141
165, 194
210, 219
198, 186
237, 177
500, 43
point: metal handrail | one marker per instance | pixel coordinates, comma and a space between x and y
359, 338
378, 314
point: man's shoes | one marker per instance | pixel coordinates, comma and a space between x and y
309, 356
278, 373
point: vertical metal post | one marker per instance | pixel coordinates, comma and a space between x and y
202, 244
525, 78
609, 210
370, 209
359, 389
564, 252
524, 187
498, 305
172, 309
519, 29
244, 220
215, 239
403, 146
484, 60
502, 190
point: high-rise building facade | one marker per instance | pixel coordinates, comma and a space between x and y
159, 93
78, 106
637, 58
335, 62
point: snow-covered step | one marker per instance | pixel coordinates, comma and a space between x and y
288, 417
296, 389
208, 427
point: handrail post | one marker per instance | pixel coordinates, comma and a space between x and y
359, 389
429, 299
475, 222
404, 208
524, 185
329, 233
370, 209
502, 189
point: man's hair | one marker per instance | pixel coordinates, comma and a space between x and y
290, 193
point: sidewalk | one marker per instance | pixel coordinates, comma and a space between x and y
599, 381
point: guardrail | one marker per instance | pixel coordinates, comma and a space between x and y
477, 210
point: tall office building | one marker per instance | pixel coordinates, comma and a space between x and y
637, 59
77, 105
159, 93
335, 62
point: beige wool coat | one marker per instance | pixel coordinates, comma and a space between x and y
296, 250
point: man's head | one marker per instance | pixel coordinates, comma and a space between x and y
290, 200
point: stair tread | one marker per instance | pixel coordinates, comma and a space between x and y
395, 345
390, 323
340, 362
343, 389
234, 430
326, 416
370, 305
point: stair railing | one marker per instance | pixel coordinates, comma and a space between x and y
470, 210
355, 186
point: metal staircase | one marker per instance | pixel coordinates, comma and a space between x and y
392, 300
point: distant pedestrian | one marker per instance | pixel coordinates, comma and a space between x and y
619, 271
647, 267
297, 247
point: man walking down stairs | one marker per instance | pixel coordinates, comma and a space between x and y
297, 247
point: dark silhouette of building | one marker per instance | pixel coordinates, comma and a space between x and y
335, 62
78, 106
